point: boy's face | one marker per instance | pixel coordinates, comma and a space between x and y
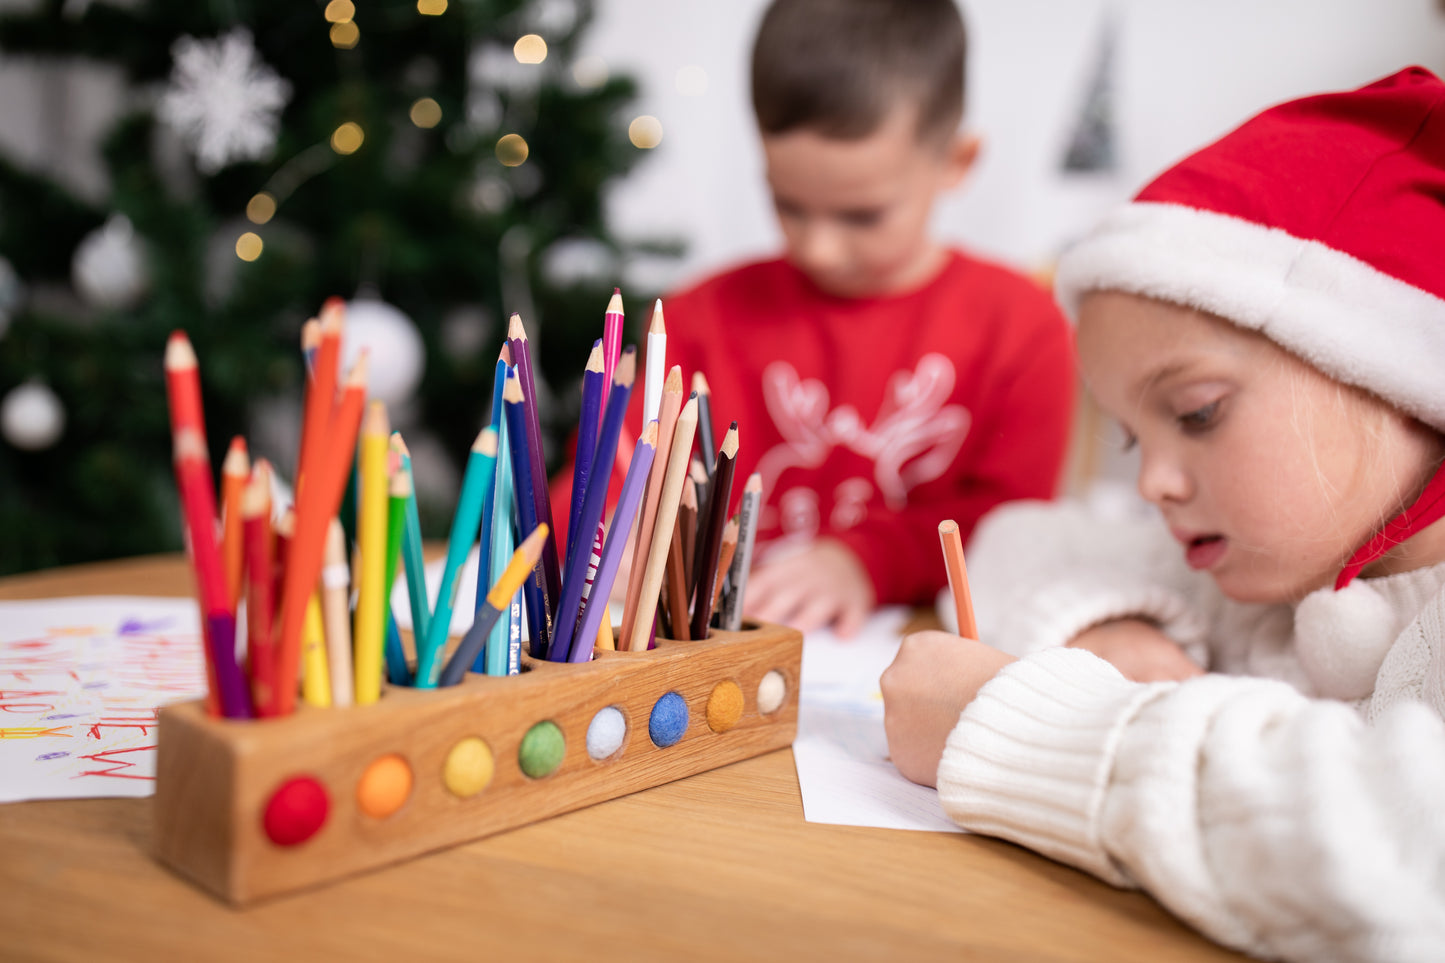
854, 213
1269, 473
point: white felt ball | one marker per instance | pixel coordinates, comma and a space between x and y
1342, 638
32, 417
771, 692
605, 734
109, 269
397, 357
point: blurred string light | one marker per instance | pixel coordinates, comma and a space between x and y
340, 11
691, 81
426, 113
347, 138
512, 150
248, 246
431, 8
261, 208
345, 35
589, 72
530, 49
645, 132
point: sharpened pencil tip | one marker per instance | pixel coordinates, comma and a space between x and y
179, 353
486, 443
699, 383
649, 434
626, 371
376, 422
515, 330
614, 304
594, 359
512, 390
658, 326
729, 446
674, 380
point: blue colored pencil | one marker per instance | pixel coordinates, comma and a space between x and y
595, 503
537, 463
508, 630
534, 589
484, 543
622, 520
477, 483
397, 671
594, 389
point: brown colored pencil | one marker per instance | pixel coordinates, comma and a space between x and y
682, 435
687, 522
711, 543
724, 559
676, 614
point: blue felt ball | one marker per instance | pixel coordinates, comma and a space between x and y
669, 720
605, 734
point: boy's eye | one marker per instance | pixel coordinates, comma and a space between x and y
1199, 419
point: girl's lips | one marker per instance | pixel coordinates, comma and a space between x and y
1205, 551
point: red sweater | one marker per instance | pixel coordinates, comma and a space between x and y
872, 420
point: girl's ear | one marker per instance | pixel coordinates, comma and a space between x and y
959, 157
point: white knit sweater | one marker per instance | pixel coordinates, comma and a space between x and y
1290, 804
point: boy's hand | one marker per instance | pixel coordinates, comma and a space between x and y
1138, 650
933, 678
823, 584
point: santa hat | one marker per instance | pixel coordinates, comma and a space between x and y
1319, 223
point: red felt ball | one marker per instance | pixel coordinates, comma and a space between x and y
296, 812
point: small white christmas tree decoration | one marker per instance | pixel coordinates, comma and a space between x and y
222, 100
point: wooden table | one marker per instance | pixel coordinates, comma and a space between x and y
720, 866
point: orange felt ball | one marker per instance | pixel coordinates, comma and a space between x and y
384, 787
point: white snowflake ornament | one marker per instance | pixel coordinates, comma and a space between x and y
222, 100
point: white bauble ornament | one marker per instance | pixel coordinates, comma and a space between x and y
32, 417
109, 268
397, 356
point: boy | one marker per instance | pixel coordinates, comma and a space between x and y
881, 381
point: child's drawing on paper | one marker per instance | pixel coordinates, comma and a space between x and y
80, 682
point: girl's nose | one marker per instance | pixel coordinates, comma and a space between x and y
1162, 478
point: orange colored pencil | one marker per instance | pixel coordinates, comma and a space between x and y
234, 472
952, 541
725, 558
669, 407
321, 389
320, 499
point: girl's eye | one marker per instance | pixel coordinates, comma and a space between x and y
1200, 419
1130, 441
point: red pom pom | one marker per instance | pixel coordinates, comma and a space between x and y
296, 811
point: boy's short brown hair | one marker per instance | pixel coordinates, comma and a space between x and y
836, 67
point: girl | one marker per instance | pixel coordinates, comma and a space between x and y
1267, 322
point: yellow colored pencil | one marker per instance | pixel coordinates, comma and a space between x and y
315, 673
369, 633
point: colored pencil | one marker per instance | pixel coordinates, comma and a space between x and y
183, 389
551, 566
523, 561
594, 505
752, 503
628, 501
477, 482
336, 614
411, 550
952, 541
704, 422
668, 408
613, 322
235, 469
310, 343
725, 554
687, 513
484, 539
682, 435
260, 548
711, 542
400, 495
198, 502
321, 390
539, 607
676, 615
503, 655
656, 366
315, 674
368, 632
594, 388
320, 498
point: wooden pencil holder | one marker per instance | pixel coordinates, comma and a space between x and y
252, 809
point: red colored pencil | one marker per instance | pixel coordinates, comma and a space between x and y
260, 584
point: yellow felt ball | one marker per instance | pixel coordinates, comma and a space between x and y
384, 786
724, 706
468, 768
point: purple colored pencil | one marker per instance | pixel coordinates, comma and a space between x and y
522, 358
534, 589
594, 389
593, 505
622, 520
233, 692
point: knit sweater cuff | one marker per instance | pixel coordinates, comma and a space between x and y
1030, 759
1057, 615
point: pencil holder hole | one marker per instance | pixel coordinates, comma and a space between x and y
606, 734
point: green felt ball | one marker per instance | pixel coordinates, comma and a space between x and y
542, 749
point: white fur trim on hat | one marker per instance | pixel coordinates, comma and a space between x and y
1357, 324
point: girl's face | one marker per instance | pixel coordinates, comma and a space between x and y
1268, 473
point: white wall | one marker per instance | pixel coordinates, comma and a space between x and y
1186, 71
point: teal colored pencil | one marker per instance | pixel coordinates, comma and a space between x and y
411, 551
484, 545
477, 483
503, 545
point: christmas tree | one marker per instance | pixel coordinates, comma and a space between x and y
440, 163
